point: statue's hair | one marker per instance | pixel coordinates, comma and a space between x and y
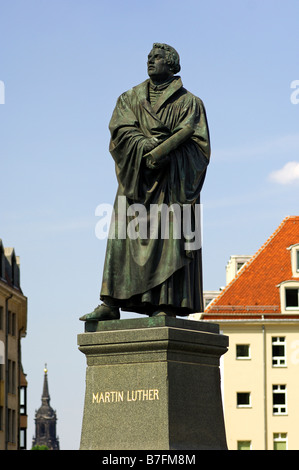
172, 57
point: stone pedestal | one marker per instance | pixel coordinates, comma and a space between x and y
152, 384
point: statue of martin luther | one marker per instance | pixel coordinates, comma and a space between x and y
161, 148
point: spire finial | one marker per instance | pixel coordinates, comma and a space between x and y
45, 395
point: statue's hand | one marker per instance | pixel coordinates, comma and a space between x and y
155, 164
150, 163
150, 144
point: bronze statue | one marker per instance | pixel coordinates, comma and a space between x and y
161, 148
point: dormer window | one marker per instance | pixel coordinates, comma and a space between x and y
289, 290
294, 249
292, 298
289, 296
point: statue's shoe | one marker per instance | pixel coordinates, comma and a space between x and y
162, 313
101, 313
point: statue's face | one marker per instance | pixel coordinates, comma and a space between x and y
157, 67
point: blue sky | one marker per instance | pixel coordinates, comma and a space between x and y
63, 64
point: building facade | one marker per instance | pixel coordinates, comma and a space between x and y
13, 325
259, 311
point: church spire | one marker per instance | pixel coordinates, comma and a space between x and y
45, 420
45, 395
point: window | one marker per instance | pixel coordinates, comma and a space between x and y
23, 438
13, 269
11, 425
244, 445
11, 376
278, 351
23, 400
13, 324
239, 265
243, 400
289, 296
2, 358
279, 399
243, 351
292, 298
207, 301
42, 429
280, 441
294, 250
209, 296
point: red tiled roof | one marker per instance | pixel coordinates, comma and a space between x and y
254, 290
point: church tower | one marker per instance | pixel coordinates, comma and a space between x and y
45, 421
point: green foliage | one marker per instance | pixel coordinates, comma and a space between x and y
40, 448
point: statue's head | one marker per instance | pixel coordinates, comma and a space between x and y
171, 56
163, 62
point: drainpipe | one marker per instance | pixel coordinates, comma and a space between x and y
6, 371
265, 386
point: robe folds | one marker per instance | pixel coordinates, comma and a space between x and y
144, 273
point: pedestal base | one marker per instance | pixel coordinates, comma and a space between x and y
153, 384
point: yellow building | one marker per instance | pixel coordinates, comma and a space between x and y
13, 323
259, 311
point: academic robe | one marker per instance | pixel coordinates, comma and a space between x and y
148, 274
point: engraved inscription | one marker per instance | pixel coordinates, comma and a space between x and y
115, 396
